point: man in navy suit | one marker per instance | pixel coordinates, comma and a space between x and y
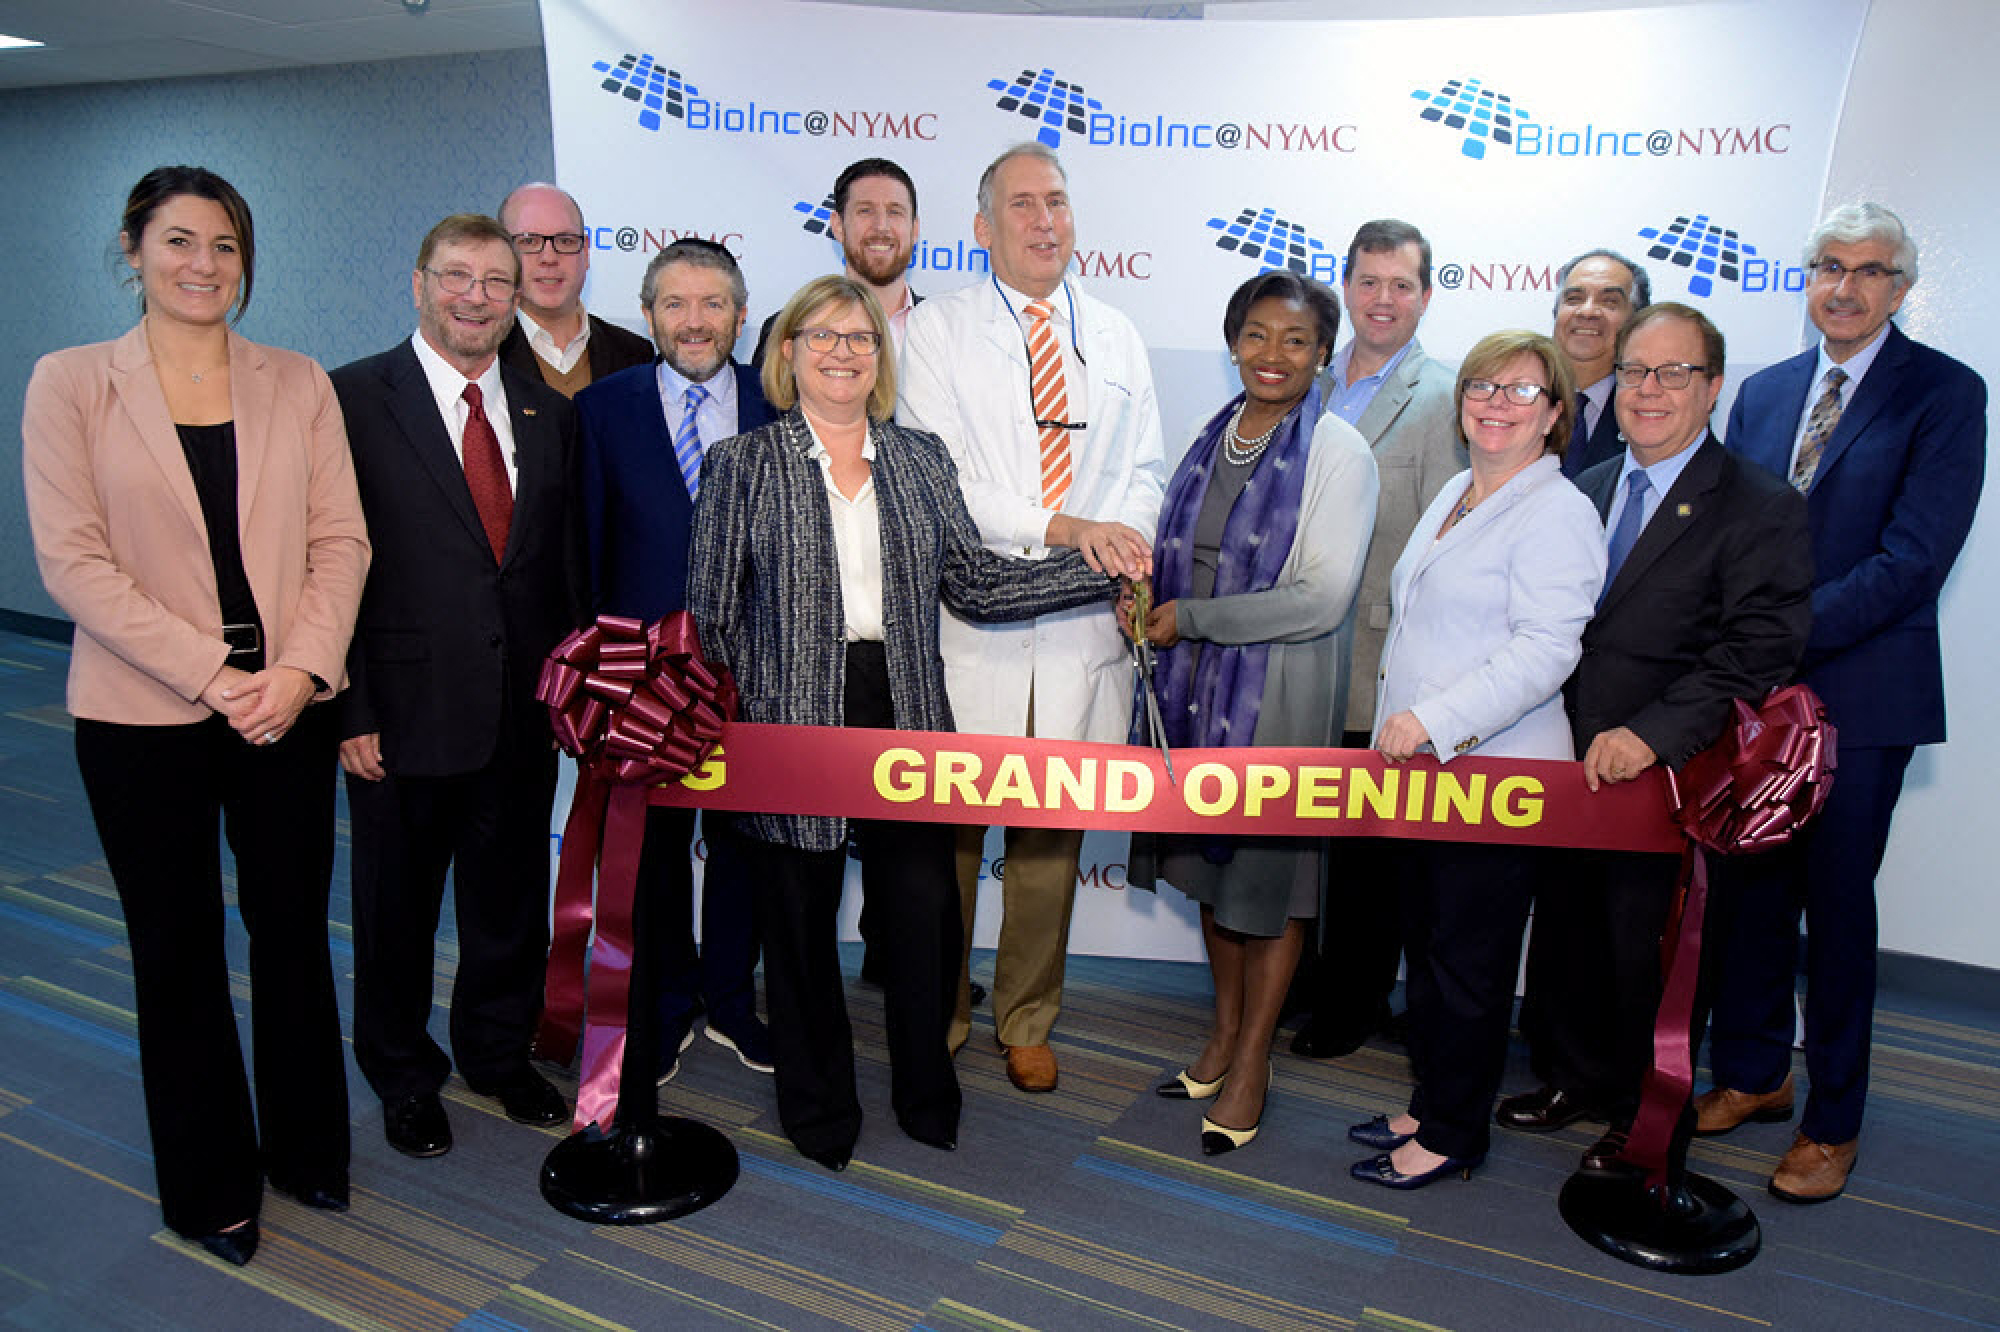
466, 470
1597, 293
1887, 439
644, 432
1707, 599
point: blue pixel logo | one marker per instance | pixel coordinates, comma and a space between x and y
658, 91
1706, 251
1054, 104
1275, 243
1486, 116
818, 216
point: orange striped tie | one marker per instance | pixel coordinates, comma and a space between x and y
1051, 402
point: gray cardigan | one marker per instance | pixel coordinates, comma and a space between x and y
764, 584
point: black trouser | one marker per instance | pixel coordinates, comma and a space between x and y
490, 828
157, 793
1361, 931
720, 975
1464, 907
910, 871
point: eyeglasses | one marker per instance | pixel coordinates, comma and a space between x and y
1677, 375
458, 282
1522, 394
1831, 271
861, 342
565, 242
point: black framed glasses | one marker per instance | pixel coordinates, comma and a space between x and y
1522, 393
861, 342
565, 242
1673, 375
458, 282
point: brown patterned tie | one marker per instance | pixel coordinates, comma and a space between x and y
1051, 402
1819, 429
486, 474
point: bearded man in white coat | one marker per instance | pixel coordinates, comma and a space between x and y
1045, 397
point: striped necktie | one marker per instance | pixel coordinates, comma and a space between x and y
486, 472
1051, 402
1819, 429
687, 440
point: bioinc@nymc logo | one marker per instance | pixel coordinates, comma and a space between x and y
658, 91
1706, 251
1274, 242
1468, 106
1054, 104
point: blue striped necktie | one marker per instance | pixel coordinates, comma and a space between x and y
687, 440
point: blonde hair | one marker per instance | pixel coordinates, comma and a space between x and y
781, 386
1496, 349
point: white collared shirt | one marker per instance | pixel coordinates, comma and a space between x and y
448, 387
563, 358
857, 543
1076, 379
1854, 367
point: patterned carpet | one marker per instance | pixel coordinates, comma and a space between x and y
1089, 1208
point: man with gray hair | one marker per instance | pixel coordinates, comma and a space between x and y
1596, 293
554, 337
1045, 397
1886, 438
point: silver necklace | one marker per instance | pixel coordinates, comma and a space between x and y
1240, 451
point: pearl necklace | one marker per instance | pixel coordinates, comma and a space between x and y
1242, 452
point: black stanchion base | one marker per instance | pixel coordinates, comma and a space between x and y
1697, 1229
633, 1177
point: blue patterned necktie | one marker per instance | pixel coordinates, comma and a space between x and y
1630, 520
687, 440
1819, 429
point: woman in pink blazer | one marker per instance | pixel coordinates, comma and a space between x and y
194, 512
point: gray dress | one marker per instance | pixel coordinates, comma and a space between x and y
1305, 619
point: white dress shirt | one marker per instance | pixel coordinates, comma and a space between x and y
857, 543
448, 387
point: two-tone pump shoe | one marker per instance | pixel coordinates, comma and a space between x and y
1183, 1086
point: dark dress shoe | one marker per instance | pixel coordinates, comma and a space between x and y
1605, 1157
1543, 1110
1382, 1170
1376, 1133
234, 1247
416, 1125
978, 993
327, 1198
945, 1140
1330, 1040
833, 1158
530, 1099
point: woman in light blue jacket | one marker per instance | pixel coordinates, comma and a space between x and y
1490, 599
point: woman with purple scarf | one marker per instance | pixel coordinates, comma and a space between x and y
1259, 553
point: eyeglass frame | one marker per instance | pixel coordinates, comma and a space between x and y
443, 276
1494, 386
532, 242
1622, 371
870, 345
1867, 274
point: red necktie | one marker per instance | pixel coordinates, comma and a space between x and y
1051, 402
486, 474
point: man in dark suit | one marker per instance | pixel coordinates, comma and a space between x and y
1706, 600
1887, 439
554, 338
465, 470
875, 224
1596, 294
644, 432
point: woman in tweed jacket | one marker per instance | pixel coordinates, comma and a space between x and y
822, 546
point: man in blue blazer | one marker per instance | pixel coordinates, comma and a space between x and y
643, 433
1887, 439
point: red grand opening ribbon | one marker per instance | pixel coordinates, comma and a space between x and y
1750, 791
636, 705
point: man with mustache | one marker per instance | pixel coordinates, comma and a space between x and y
1597, 293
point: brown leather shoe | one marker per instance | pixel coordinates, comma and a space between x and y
1813, 1172
1724, 1108
1032, 1068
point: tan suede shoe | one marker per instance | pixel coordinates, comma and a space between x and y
1813, 1172
1724, 1108
1032, 1068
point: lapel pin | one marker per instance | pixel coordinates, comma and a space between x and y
530, 411
1684, 511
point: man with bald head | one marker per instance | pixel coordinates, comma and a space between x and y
554, 337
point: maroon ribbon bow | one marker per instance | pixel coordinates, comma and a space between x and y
636, 705
1752, 790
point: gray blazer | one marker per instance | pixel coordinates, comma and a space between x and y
764, 584
1409, 426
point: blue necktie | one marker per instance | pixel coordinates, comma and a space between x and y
687, 440
1629, 522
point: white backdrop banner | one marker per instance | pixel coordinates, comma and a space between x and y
1693, 139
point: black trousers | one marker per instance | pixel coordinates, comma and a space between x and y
1464, 907
915, 889
490, 829
1361, 932
720, 975
157, 794
1594, 972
